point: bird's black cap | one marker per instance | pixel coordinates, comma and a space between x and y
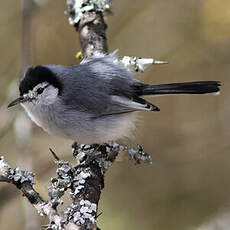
35, 75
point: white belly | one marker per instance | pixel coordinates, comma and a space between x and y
84, 130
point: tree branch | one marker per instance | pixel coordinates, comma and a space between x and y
85, 180
87, 18
24, 181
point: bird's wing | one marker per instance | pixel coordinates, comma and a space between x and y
135, 103
122, 104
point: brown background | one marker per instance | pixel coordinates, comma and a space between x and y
188, 183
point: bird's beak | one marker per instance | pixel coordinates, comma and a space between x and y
18, 100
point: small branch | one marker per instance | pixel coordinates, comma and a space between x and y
84, 180
87, 18
54, 155
140, 64
24, 181
90, 178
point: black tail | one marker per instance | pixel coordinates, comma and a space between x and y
198, 87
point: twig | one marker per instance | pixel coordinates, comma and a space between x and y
54, 155
140, 64
24, 181
87, 18
84, 180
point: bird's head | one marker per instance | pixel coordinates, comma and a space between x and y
39, 85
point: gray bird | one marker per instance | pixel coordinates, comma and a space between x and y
95, 101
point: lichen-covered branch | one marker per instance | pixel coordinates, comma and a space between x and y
84, 181
140, 64
87, 18
24, 181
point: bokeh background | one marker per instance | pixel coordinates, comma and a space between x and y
188, 185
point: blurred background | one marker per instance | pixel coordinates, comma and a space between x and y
187, 187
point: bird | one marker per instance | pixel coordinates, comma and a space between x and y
95, 101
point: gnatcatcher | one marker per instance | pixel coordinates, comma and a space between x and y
95, 101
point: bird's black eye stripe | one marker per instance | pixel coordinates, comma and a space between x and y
40, 89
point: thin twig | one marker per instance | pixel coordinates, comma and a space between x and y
54, 155
23, 180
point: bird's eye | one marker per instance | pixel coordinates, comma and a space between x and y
40, 90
